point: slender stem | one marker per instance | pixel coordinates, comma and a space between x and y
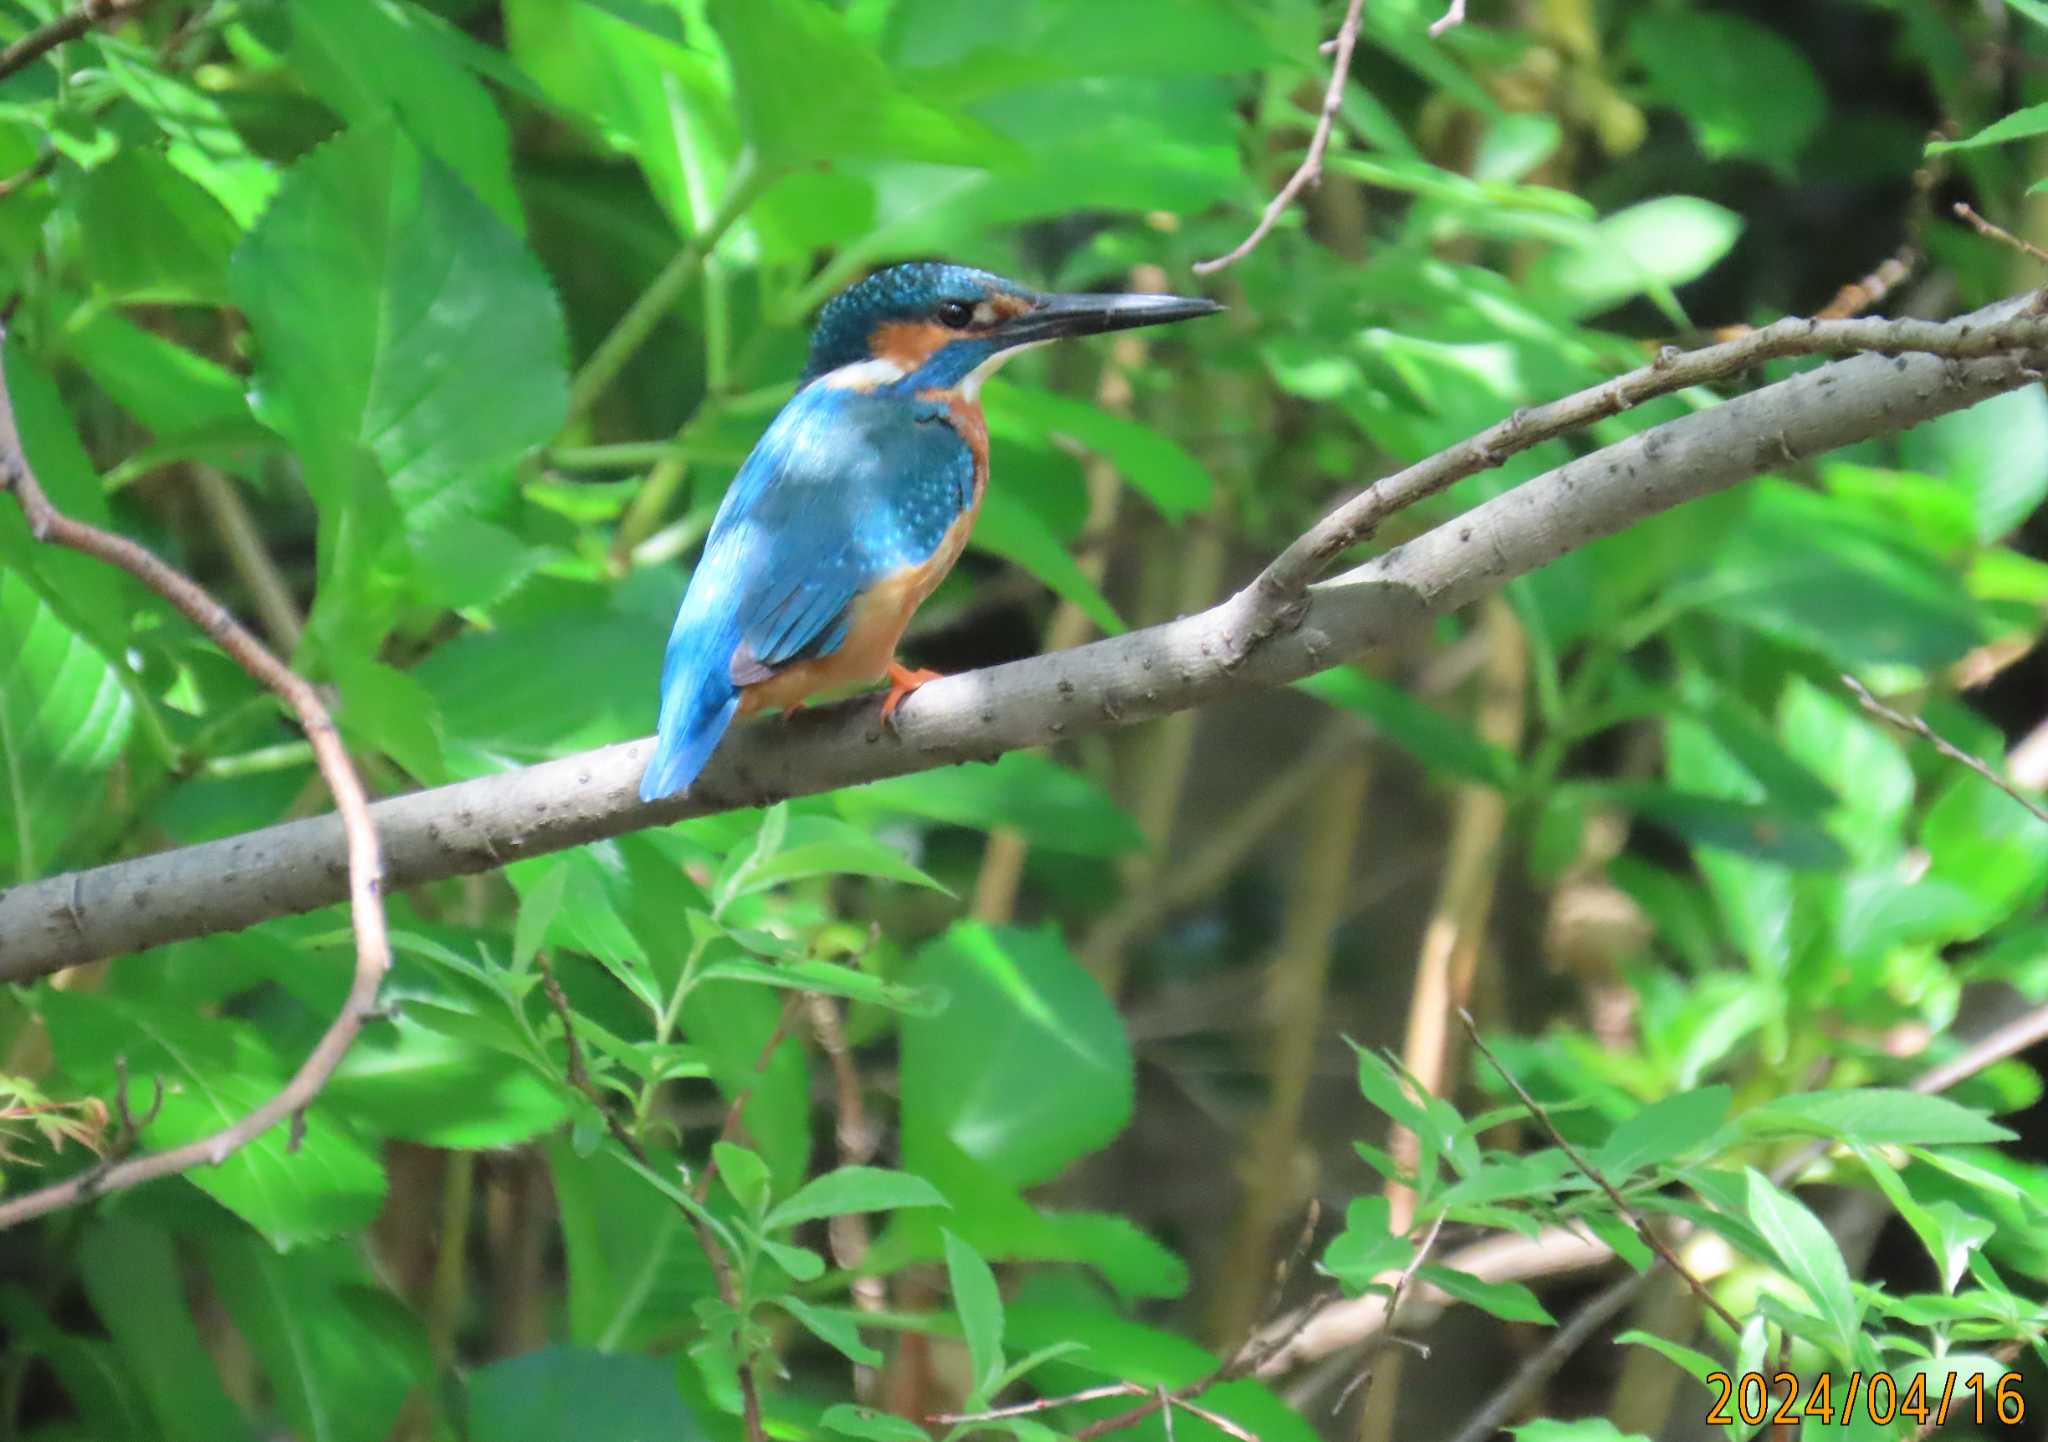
745, 185
281, 757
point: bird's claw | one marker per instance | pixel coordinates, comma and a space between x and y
902, 681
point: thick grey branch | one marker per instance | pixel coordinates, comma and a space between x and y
1229, 650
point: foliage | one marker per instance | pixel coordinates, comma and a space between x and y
431, 331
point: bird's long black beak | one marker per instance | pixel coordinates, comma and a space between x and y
1058, 316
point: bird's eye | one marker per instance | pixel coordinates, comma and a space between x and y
956, 313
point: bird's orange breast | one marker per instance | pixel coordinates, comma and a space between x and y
882, 613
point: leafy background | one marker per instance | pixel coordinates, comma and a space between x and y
429, 335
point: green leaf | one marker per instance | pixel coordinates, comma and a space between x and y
340, 1353
1052, 805
180, 257
822, 846
745, 1175
131, 1275
827, 978
732, 1022
1803, 569
1441, 742
2023, 123
1662, 1131
375, 62
1149, 462
1585, 1429
633, 1261
1873, 1117
1810, 1258
1365, 1249
870, 1425
1009, 528
1645, 249
215, 1072
538, 904
410, 349
807, 89
1510, 1301
64, 718
1995, 453
1989, 848
980, 1307
560, 1392
1028, 1068
1695, 1364
1742, 87
406, 1080
853, 1189
201, 140
838, 1330
100, 1381
802, 1264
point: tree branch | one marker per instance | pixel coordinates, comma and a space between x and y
2008, 326
68, 26
1240, 646
355, 861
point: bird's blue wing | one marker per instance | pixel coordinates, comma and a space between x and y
844, 490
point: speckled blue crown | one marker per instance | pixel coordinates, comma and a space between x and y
898, 293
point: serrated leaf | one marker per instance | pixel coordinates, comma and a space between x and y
409, 347
1810, 1257
1665, 1129
1872, 1117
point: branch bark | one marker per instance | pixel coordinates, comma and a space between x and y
1244, 644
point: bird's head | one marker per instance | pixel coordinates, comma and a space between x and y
929, 326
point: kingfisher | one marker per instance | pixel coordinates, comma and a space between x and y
857, 499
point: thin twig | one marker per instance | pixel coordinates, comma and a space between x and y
68, 26
365, 861
1861, 296
1927, 733
1539, 1366
2000, 234
1278, 589
1215, 1419
1628, 1214
1039, 1404
1394, 1299
1453, 17
1310, 171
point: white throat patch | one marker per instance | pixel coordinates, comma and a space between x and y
970, 387
864, 375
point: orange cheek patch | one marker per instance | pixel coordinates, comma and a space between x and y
909, 343
1009, 307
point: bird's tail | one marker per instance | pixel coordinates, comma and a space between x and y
698, 701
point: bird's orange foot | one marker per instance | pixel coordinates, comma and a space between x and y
902, 681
